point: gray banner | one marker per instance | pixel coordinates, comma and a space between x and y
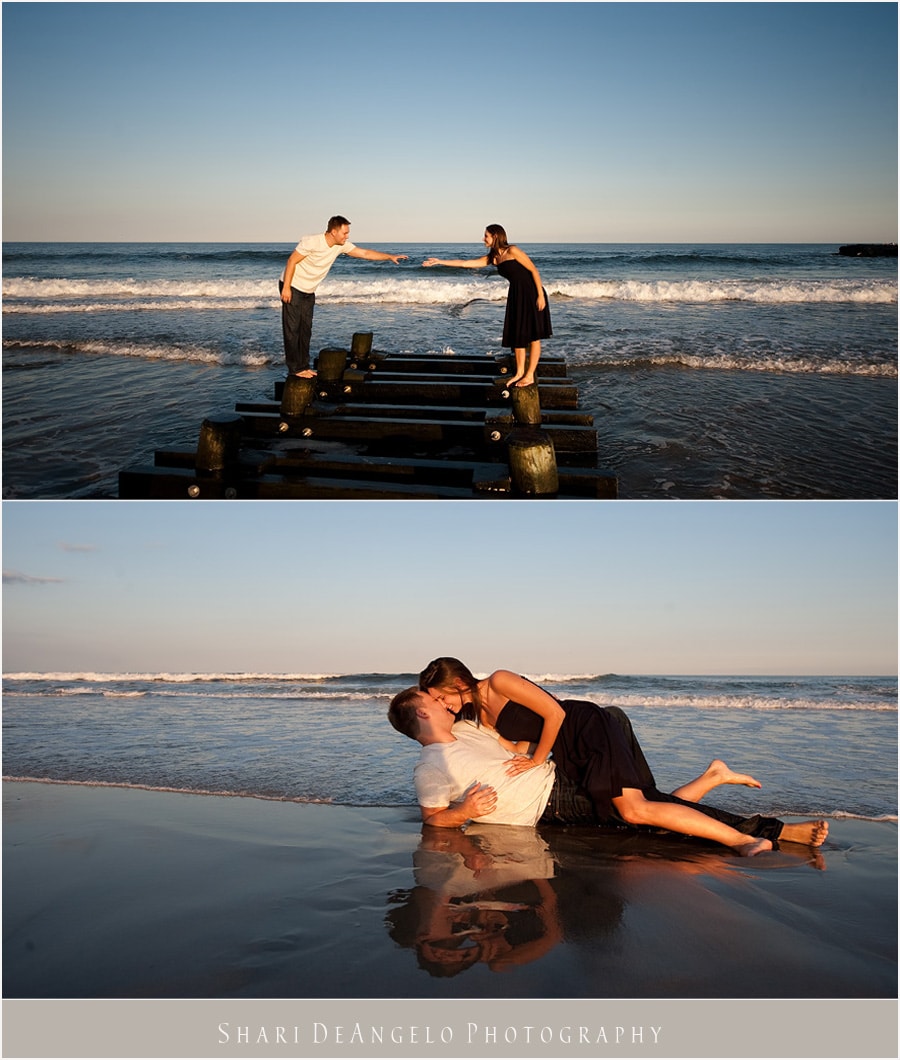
426, 1028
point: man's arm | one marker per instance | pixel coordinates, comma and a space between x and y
375, 255
292, 262
479, 800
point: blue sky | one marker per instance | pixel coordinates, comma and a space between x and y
645, 587
589, 122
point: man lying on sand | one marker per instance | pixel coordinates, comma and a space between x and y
463, 773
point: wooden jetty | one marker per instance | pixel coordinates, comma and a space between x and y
869, 250
379, 425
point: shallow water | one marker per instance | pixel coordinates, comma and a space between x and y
719, 371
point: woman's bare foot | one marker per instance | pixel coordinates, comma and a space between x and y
307, 373
719, 772
752, 847
810, 833
526, 380
513, 379
716, 773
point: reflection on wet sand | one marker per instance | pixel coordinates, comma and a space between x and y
504, 896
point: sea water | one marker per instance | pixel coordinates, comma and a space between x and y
734, 371
823, 746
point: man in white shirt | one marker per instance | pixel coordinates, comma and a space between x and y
307, 266
461, 773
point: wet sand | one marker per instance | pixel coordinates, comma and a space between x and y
124, 893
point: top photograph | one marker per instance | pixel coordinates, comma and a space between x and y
450, 251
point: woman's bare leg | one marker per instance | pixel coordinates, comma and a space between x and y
809, 833
633, 808
716, 773
534, 355
520, 366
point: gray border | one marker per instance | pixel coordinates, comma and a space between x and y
370, 1028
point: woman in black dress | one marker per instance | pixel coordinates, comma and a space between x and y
596, 748
527, 319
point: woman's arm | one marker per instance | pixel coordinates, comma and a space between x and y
523, 259
457, 263
508, 685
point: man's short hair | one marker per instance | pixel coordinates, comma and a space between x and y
336, 222
402, 712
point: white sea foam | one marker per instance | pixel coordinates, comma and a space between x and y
700, 291
735, 702
30, 295
252, 358
153, 351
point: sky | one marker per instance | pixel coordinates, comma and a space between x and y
421, 122
537, 587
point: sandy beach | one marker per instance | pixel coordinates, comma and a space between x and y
115, 892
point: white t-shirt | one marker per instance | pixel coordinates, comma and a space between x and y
318, 257
447, 770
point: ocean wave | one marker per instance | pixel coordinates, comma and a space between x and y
255, 358
738, 702
153, 352
35, 295
758, 362
704, 291
204, 305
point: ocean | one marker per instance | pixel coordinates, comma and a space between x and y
821, 746
735, 371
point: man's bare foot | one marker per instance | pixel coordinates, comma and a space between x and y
810, 833
752, 847
720, 773
307, 373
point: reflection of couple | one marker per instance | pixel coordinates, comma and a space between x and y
482, 896
485, 749
527, 318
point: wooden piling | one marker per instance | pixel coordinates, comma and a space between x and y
331, 364
361, 344
298, 393
532, 464
219, 443
526, 405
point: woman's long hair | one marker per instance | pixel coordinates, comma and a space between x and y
443, 672
499, 244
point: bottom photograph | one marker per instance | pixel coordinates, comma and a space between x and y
449, 751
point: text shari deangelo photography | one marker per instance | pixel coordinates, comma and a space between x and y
468, 1033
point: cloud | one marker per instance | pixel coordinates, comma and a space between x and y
66, 546
15, 577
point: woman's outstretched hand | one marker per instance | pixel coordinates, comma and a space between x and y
428, 262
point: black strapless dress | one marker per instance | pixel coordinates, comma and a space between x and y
523, 323
596, 748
